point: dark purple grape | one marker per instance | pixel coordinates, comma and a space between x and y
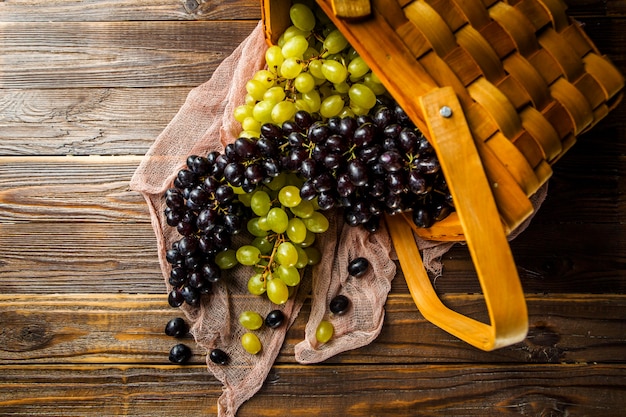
186, 178
193, 262
178, 276
296, 139
333, 124
220, 163
172, 256
271, 167
417, 183
333, 160
233, 223
218, 357
274, 319
174, 198
233, 173
347, 126
246, 148
401, 116
271, 131
393, 202
187, 245
206, 220
210, 184
231, 152
172, 217
408, 140
180, 354
175, 298
190, 295
364, 119
199, 165
392, 131
308, 168
429, 165
326, 200
440, 211
211, 272
308, 191
267, 147
358, 267
205, 244
212, 157
291, 127
176, 327
422, 218
357, 172
396, 182
369, 154
318, 132
364, 134
303, 119
377, 188
296, 156
224, 194
196, 280
254, 173
324, 182
199, 196
336, 143
372, 224
339, 305
391, 161
383, 117
345, 186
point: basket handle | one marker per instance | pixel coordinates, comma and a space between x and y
484, 234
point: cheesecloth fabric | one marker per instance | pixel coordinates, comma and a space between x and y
205, 123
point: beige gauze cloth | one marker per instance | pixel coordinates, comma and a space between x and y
205, 123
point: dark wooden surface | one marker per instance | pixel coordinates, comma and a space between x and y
85, 87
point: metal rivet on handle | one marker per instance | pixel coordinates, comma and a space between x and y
445, 111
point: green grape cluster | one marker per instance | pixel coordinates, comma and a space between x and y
312, 68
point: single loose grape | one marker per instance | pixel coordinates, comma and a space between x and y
176, 327
339, 304
251, 320
289, 196
324, 331
251, 343
218, 356
277, 219
180, 354
358, 267
248, 255
226, 259
277, 291
274, 319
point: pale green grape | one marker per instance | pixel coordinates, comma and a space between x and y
266, 77
275, 94
290, 32
283, 111
313, 254
274, 57
256, 89
308, 240
295, 47
341, 88
304, 82
251, 343
290, 68
313, 100
244, 198
286, 254
254, 228
248, 255
335, 42
324, 331
346, 112
303, 258
251, 124
277, 291
289, 196
241, 112
251, 320
373, 82
315, 68
277, 220
264, 245
263, 111
334, 71
278, 182
226, 259
302, 17
317, 223
249, 100
304, 209
331, 106
262, 224
256, 284
289, 275
296, 230
311, 52
358, 68
362, 96
260, 203
302, 105
357, 110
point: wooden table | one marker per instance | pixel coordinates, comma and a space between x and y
85, 87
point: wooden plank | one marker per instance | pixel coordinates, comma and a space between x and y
123, 10
444, 390
115, 54
125, 328
85, 121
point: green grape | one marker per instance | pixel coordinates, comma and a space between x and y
304, 82
277, 182
260, 203
334, 71
303, 258
303, 210
324, 331
302, 17
277, 220
256, 89
315, 69
289, 275
283, 111
357, 110
263, 225
241, 112
331, 106
289, 196
302, 105
295, 47
244, 198
296, 230
253, 227
342, 88
248, 255
251, 124
263, 111
275, 94
311, 52
256, 284
362, 96
314, 255
249, 100
226, 259
251, 320
358, 68
277, 291
251, 343
346, 112
313, 100
308, 240
266, 77
286, 254
317, 223
373, 82
290, 32
290, 68
335, 42
264, 245
274, 56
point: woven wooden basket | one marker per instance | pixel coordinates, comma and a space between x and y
501, 89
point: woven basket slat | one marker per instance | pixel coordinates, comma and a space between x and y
564, 55
605, 74
535, 11
531, 149
433, 27
448, 11
527, 76
574, 102
542, 132
516, 26
514, 92
475, 13
480, 50
497, 106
